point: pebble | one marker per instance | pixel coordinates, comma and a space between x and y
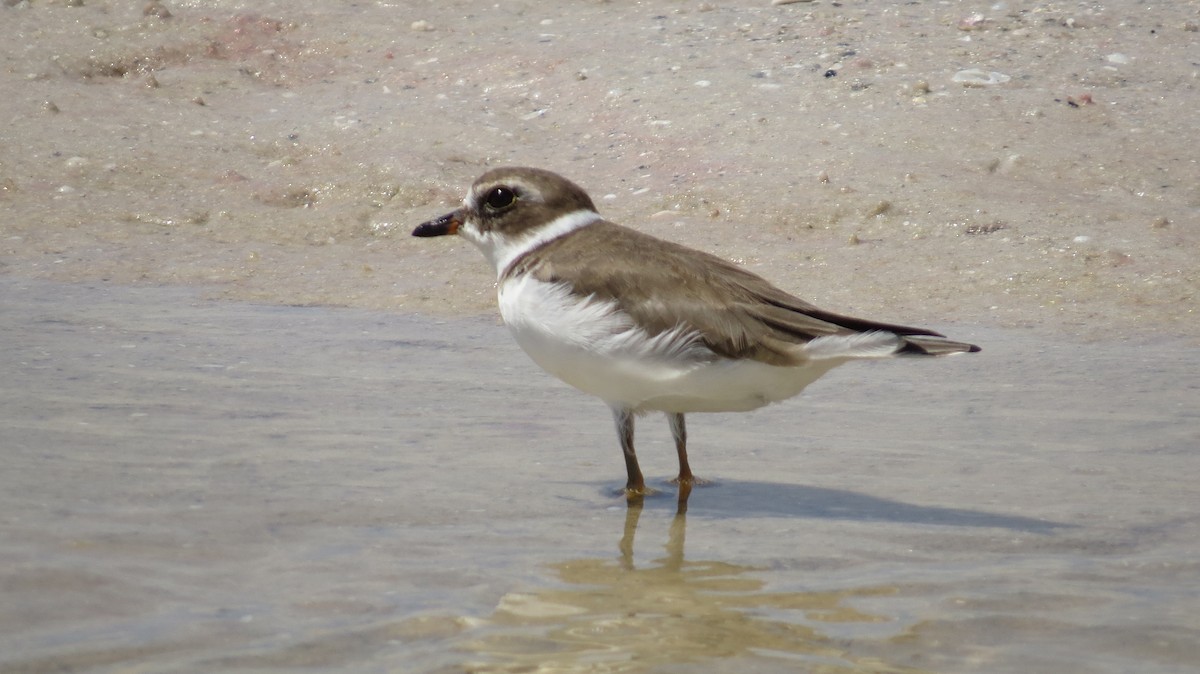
878, 209
157, 9
972, 22
988, 228
1011, 163
786, 2
1005, 165
421, 25
1118, 58
974, 77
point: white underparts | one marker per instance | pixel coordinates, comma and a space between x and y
592, 345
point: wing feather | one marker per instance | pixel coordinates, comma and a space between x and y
735, 313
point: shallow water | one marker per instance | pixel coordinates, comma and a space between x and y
197, 485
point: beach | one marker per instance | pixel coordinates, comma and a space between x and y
250, 424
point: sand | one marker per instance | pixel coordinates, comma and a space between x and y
285, 150
250, 424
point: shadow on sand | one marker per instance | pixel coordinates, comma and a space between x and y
737, 498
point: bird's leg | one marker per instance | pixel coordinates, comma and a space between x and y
679, 432
636, 484
681, 502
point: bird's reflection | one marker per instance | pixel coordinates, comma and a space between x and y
621, 616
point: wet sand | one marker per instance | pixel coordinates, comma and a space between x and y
249, 424
204, 485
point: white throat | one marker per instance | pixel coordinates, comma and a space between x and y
502, 251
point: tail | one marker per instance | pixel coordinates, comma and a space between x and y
920, 345
880, 344
914, 341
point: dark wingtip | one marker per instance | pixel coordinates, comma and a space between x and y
923, 345
447, 224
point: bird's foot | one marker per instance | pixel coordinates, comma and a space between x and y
690, 480
632, 492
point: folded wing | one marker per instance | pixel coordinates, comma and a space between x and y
736, 313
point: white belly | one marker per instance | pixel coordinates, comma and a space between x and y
597, 349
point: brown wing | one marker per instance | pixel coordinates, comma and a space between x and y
737, 314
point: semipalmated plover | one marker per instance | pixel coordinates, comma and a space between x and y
649, 325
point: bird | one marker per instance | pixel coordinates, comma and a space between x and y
649, 325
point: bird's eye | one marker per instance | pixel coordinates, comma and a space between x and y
499, 198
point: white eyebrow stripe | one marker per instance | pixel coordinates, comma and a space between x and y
560, 226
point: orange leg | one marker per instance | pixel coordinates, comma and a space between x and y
635, 485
